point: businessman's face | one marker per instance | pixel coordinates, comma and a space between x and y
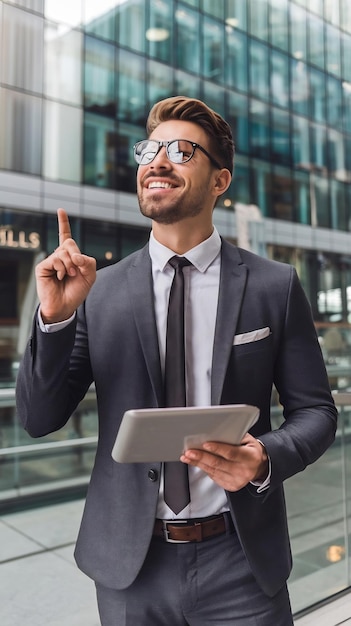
172, 191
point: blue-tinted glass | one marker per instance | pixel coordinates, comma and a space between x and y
332, 11
346, 55
236, 59
278, 23
298, 32
279, 76
159, 82
333, 55
280, 137
316, 41
99, 168
336, 154
187, 39
213, 8
240, 188
320, 199
300, 142
347, 106
214, 97
160, 30
259, 129
345, 9
282, 194
131, 88
262, 186
339, 214
237, 117
318, 146
259, 75
299, 87
193, 3
212, 50
128, 135
317, 96
131, 24
334, 102
347, 140
99, 77
316, 6
186, 84
100, 18
258, 18
236, 14
302, 197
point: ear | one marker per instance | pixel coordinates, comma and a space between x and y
223, 179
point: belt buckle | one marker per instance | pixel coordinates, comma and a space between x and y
166, 531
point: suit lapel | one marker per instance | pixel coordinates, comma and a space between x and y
142, 298
231, 291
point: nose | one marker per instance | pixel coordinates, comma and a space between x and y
161, 159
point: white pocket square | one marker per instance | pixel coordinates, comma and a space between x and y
253, 335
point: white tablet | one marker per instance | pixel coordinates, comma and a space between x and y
150, 435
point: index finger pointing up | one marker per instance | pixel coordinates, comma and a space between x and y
63, 225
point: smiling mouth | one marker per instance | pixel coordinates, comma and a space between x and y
160, 185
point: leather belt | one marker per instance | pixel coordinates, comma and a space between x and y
193, 530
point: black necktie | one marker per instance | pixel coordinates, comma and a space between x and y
176, 482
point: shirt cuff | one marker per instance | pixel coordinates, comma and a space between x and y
262, 485
53, 328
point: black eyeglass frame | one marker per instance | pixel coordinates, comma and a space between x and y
166, 144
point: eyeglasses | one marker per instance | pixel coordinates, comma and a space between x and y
177, 150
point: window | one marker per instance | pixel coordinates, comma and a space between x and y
237, 117
187, 39
259, 129
259, 76
212, 50
131, 24
278, 23
63, 64
99, 151
159, 82
159, 35
279, 76
280, 136
62, 142
99, 77
131, 88
236, 71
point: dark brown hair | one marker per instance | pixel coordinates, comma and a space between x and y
192, 110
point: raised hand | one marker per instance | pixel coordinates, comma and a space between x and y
65, 277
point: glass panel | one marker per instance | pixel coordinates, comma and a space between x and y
100, 241
259, 76
301, 143
99, 77
345, 8
236, 14
339, 217
187, 84
318, 146
347, 140
336, 150
214, 97
212, 51
100, 18
159, 82
62, 142
187, 39
334, 102
331, 11
262, 186
159, 33
282, 194
259, 129
34, 5
302, 197
131, 88
317, 96
214, 8
258, 18
346, 55
237, 117
99, 151
298, 32
128, 135
236, 71
299, 87
280, 136
347, 106
319, 198
20, 132
316, 6
278, 23
63, 64
280, 79
22, 36
69, 13
131, 24
240, 188
333, 54
316, 41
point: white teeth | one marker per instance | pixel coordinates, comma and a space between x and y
159, 185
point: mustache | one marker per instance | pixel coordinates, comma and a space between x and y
170, 177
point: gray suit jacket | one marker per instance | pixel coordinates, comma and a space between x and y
114, 343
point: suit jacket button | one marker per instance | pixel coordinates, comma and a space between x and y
153, 475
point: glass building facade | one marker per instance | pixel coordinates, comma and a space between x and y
77, 81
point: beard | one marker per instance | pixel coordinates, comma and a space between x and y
171, 213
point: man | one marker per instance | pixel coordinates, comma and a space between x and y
248, 325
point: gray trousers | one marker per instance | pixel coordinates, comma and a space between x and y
194, 584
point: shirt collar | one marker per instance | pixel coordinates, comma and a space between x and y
201, 256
